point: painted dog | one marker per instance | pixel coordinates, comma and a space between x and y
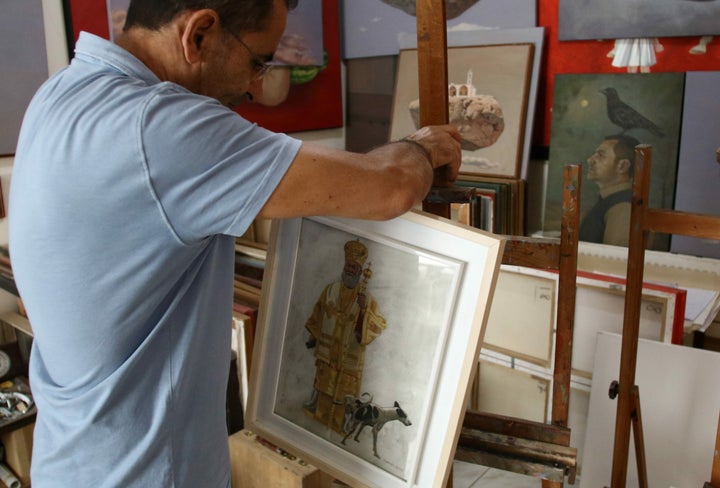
361, 413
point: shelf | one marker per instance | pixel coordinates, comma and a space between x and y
8, 285
17, 321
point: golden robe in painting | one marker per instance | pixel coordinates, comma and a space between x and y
341, 333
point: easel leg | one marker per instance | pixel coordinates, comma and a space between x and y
639, 438
715, 476
633, 420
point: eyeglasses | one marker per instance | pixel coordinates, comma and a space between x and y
260, 67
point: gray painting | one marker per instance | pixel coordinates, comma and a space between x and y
376, 27
25, 66
698, 176
618, 19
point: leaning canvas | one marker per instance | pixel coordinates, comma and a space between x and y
367, 343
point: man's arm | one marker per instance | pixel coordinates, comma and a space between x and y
380, 184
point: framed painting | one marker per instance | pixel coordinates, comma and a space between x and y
492, 37
32, 47
370, 85
488, 99
678, 54
588, 109
368, 338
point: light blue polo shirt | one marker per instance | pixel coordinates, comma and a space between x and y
126, 194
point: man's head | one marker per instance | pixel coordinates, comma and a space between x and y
235, 16
612, 161
355, 255
217, 48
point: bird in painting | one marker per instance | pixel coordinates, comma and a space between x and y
626, 117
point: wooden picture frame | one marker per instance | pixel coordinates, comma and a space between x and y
500, 75
430, 284
492, 37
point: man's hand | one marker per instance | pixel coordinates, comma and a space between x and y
442, 144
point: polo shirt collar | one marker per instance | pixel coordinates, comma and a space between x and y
96, 50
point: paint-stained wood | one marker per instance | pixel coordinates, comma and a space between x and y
644, 220
516, 427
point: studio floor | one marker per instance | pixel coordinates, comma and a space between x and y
467, 475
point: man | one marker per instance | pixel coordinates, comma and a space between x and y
611, 168
132, 178
344, 320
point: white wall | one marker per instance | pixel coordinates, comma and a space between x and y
8, 302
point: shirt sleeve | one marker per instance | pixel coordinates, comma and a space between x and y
211, 171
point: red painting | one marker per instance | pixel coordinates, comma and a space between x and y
316, 104
313, 105
566, 57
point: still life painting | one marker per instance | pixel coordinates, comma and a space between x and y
487, 101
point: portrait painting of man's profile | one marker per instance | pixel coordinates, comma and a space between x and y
597, 121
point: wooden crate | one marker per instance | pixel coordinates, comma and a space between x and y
18, 451
256, 465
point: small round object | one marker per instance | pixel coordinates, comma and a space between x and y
5, 363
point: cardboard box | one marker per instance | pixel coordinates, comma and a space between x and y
254, 464
18, 451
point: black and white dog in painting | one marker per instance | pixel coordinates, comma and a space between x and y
362, 412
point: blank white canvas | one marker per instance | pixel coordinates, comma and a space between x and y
680, 401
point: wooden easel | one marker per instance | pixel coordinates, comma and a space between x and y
643, 220
519, 445
715, 474
508, 443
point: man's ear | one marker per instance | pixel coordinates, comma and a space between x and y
201, 27
623, 166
